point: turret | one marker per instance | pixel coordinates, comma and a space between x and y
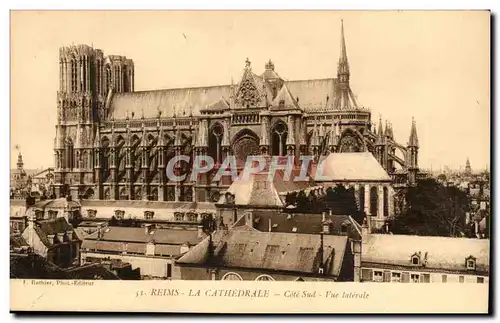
412, 154
20, 163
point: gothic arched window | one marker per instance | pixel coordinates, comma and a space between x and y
279, 135
108, 78
69, 154
73, 75
117, 78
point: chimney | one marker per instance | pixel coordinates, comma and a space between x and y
200, 231
326, 227
249, 219
150, 248
270, 224
148, 228
99, 233
365, 230
330, 212
320, 252
31, 230
323, 216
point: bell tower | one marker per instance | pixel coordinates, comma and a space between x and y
84, 85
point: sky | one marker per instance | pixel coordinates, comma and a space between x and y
433, 66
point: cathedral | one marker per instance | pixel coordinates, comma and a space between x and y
114, 143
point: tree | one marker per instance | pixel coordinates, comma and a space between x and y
433, 210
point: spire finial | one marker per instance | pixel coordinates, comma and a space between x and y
247, 63
343, 66
413, 142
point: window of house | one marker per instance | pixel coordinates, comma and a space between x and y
471, 264
461, 279
169, 270
91, 213
148, 215
378, 276
480, 280
396, 277
444, 278
39, 214
232, 276
415, 278
192, 217
119, 214
415, 260
264, 278
52, 214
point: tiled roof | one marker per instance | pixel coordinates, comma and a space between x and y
442, 252
271, 251
58, 226
92, 271
57, 203
55, 226
123, 204
17, 241
34, 266
352, 167
160, 236
308, 223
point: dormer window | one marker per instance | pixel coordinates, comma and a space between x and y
178, 216
52, 214
148, 215
119, 214
415, 259
91, 213
470, 263
192, 217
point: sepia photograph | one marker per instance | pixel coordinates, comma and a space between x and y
217, 156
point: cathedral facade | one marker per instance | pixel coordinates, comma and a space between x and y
114, 143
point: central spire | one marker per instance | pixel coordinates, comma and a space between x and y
343, 65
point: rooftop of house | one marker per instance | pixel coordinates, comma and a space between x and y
287, 252
168, 242
308, 223
92, 271
438, 252
34, 266
54, 231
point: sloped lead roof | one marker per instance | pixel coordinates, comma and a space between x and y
313, 95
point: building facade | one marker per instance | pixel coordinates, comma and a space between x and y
114, 144
423, 259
